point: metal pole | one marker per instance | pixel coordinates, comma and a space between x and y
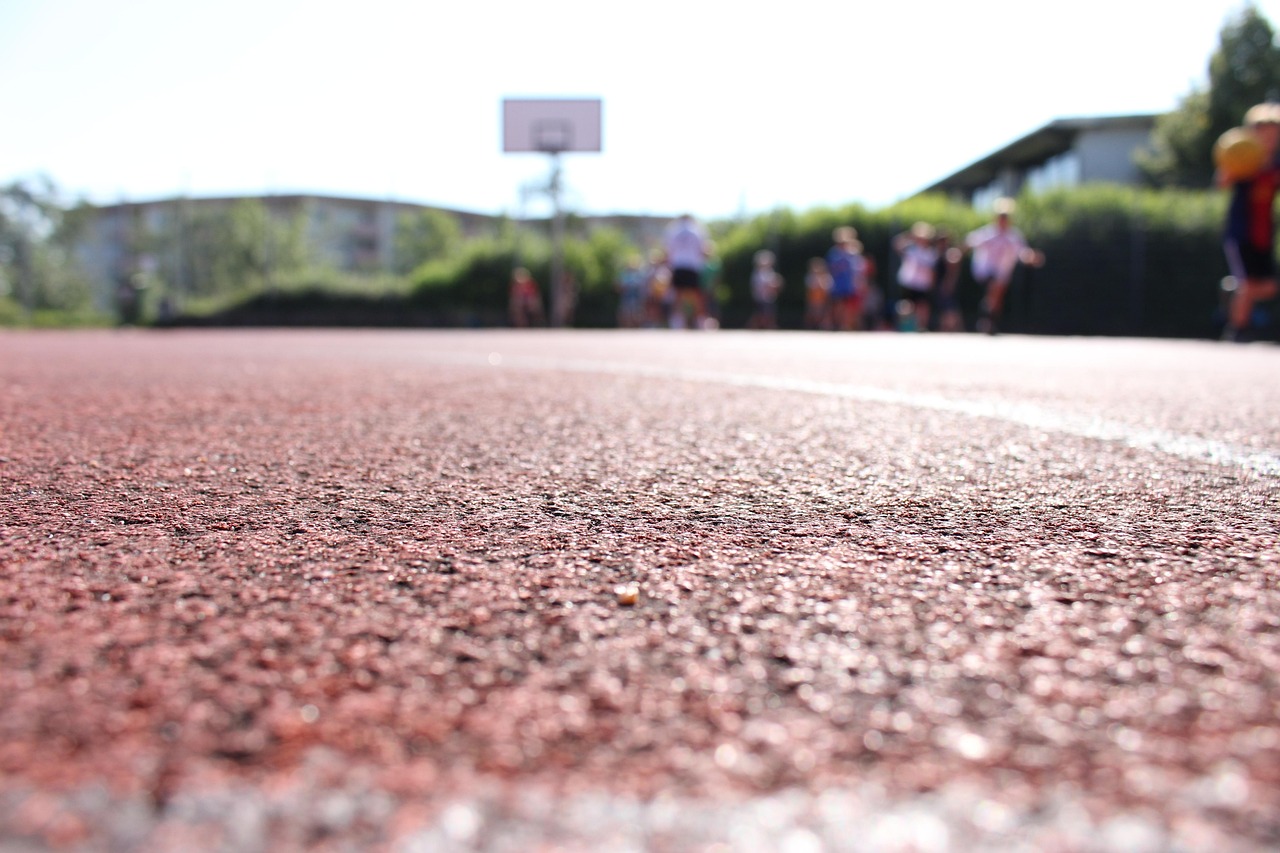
557, 245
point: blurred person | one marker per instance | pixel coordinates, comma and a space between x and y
946, 276
916, 272
905, 316
657, 299
1249, 235
631, 287
817, 289
873, 302
568, 299
524, 300
710, 281
765, 286
998, 248
167, 310
847, 268
129, 301
687, 249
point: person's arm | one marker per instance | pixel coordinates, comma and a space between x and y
1031, 257
1027, 255
977, 239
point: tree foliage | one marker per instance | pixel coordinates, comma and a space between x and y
38, 268
427, 235
1243, 71
473, 282
203, 251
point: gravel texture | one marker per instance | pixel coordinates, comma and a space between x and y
677, 591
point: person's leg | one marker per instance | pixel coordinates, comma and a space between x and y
1248, 294
693, 307
922, 313
855, 314
1254, 270
992, 304
689, 308
846, 314
995, 296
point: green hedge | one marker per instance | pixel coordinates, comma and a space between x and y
1120, 261
1123, 262
476, 280
13, 315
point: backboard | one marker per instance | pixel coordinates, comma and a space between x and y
550, 125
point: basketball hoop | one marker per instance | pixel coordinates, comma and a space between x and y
553, 127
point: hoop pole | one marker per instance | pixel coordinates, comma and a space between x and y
558, 307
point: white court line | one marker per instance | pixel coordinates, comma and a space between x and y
1263, 462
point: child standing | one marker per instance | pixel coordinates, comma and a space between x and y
916, 273
631, 295
765, 285
525, 300
845, 264
817, 287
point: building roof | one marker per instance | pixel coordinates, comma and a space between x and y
286, 198
1037, 147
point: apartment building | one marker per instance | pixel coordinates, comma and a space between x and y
352, 234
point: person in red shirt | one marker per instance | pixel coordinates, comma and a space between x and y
1249, 239
525, 300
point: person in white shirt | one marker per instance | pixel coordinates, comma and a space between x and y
687, 249
915, 274
765, 285
997, 249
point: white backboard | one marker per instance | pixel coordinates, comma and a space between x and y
550, 125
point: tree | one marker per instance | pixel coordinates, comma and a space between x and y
1244, 71
427, 235
37, 261
204, 249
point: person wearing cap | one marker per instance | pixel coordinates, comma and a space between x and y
916, 273
1249, 236
997, 249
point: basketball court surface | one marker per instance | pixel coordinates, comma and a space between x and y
499, 590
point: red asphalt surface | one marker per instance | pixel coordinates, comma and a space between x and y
273, 590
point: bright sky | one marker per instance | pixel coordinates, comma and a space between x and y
712, 107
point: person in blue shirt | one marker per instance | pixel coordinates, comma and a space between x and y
847, 268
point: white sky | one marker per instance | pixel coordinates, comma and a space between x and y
712, 107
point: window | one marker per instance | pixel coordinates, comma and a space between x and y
1060, 171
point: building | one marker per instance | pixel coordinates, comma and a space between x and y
124, 240
1066, 152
